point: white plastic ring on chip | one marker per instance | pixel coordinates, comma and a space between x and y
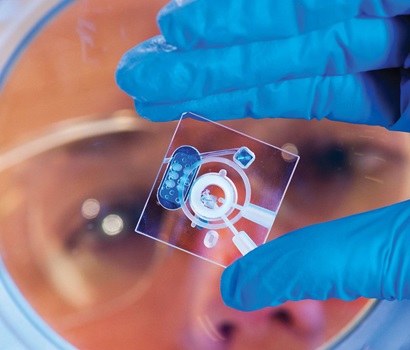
213, 179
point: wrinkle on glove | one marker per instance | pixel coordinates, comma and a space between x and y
207, 23
370, 98
290, 59
365, 255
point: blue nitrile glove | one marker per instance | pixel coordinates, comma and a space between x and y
336, 59
362, 255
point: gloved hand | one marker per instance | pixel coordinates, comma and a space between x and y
361, 255
342, 60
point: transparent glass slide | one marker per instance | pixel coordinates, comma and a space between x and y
217, 192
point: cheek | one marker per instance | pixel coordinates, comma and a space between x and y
339, 314
154, 321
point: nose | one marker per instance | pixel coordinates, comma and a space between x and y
212, 325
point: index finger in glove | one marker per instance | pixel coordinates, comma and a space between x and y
369, 98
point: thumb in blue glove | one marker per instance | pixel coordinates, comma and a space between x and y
365, 255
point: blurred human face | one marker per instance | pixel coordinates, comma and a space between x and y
70, 199
72, 210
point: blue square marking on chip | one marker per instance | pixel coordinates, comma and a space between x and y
217, 196
244, 157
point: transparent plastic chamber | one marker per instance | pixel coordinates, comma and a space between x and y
77, 166
222, 189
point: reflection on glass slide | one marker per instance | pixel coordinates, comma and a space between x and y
218, 191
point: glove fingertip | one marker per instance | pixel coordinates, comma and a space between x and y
228, 286
156, 113
123, 77
178, 26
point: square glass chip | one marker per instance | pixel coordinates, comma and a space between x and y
217, 192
